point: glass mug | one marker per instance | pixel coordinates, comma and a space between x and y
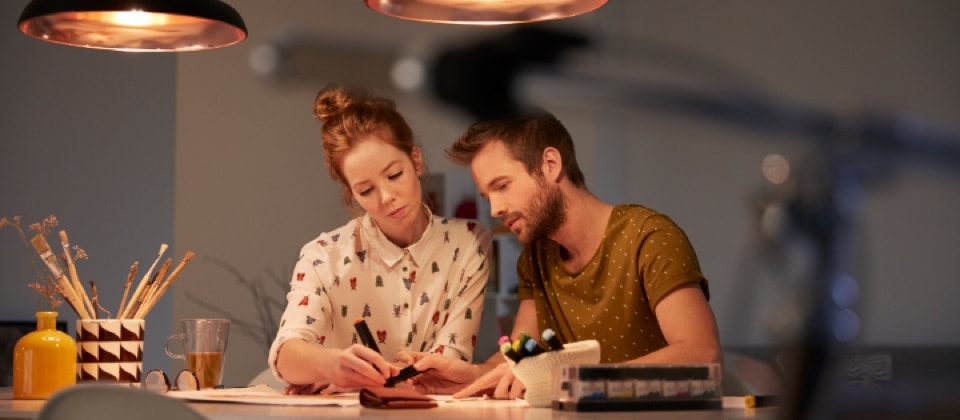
204, 342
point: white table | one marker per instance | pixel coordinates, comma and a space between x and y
464, 410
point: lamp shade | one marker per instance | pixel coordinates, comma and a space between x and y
134, 25
483, 12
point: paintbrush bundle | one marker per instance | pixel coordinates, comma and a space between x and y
148, 291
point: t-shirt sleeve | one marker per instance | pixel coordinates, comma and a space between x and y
667, 260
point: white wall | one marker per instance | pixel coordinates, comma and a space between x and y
88, 136
251, 185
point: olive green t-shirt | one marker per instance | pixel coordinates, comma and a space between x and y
643, 257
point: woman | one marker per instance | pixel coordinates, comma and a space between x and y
418, 280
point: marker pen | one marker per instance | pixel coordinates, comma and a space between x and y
551, 338
507, 351
365, 336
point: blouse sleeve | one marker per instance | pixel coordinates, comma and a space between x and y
457, 337
307, 303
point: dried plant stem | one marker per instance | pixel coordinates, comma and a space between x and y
267, 305
62, 292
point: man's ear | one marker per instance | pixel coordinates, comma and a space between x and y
551, 164
417, 160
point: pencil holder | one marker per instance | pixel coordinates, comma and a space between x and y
110, 350
536, 372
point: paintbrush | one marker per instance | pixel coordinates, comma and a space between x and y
43, 249
72, 269
126, 289
129, 311
151, 290
169, 280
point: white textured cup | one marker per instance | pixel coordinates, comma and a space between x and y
536, 372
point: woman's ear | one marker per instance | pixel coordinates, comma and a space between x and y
417, 160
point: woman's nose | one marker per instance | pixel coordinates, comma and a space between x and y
386, 195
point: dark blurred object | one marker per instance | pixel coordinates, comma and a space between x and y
479, 78
467, 209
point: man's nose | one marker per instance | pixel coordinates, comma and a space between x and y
496, 208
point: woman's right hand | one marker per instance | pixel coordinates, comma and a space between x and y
358, 366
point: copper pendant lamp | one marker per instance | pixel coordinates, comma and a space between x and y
134, 25
483, 12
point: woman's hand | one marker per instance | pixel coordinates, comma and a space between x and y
358, 366
309, 368
440, 374
500, 380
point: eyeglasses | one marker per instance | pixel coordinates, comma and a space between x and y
156, 380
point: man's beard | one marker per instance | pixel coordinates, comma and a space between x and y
546, 214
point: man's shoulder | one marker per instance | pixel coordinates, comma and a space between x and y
630, 219
633, 212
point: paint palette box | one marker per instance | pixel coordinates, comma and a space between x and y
620, 387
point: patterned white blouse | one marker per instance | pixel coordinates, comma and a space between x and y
425, 297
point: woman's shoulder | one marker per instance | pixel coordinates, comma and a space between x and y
333, 238
462, 225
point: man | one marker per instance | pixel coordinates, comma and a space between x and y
623, 275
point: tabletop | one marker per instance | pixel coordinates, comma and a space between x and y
461, 410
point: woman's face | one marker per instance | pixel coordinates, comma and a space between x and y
385, 183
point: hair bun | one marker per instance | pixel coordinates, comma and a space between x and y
331, 101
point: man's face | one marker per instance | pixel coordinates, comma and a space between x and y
528, 205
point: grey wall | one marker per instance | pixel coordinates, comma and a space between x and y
88, 136
249, 185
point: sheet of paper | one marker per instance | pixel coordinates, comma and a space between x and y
262, 394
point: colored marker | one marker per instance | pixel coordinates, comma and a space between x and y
503, 339
533, 348
507, 350
551, 338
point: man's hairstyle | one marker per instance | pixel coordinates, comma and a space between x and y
526, 137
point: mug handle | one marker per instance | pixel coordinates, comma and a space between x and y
176, 337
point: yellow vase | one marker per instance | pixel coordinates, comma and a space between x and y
44, 360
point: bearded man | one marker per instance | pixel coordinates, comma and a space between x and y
624, 275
